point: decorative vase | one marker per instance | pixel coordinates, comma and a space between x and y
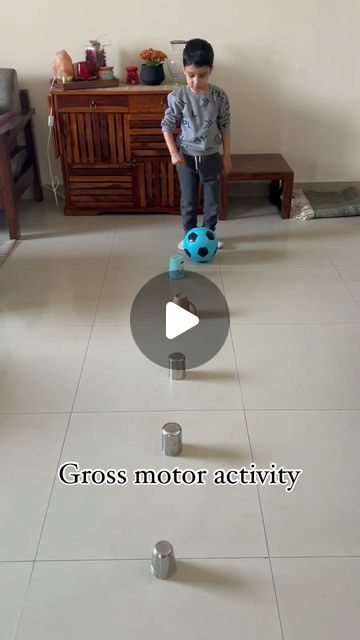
152, 75
175, 61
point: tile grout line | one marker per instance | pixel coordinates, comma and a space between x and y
234, 324
219, 558
257, 488
336, 267
182, 410
252, 458
63, 444
239, 325
266, 538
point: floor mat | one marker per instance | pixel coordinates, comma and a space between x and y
309, 204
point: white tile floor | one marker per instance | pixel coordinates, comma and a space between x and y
252, 563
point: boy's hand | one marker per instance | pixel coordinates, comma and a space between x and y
177, 158
227, 163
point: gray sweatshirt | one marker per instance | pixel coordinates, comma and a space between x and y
202, 118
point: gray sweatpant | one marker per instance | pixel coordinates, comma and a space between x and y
207, 170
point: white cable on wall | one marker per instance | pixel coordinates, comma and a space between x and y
55, 182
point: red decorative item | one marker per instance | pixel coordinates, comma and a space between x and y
83, 70
132, 76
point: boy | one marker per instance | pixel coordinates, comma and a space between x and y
203, 113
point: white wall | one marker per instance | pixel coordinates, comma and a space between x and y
290, 67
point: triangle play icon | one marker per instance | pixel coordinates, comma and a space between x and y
178, 320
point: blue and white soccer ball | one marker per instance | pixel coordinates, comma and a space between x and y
200, 244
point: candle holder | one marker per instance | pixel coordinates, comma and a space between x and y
132, 75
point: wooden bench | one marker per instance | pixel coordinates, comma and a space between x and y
261, 167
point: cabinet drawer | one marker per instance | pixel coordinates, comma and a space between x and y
92, 102
143, 135
154, 103
112, 189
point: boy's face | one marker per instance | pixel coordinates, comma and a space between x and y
197, 78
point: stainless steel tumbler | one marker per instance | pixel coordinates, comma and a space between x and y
182, 301
171, 439
177, 366
163, 563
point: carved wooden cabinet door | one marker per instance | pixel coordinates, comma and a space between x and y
113, 153
156, 180
157, 185
91, 135
92, 138
91, 128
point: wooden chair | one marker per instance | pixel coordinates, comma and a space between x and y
19, 167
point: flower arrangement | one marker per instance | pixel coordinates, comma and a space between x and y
153, 57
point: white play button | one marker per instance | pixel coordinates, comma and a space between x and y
178, 320
160, 328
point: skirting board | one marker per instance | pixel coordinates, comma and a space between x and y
238, 189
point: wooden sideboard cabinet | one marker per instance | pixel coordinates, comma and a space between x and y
113, 154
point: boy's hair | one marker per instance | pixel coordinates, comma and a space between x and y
199, 53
